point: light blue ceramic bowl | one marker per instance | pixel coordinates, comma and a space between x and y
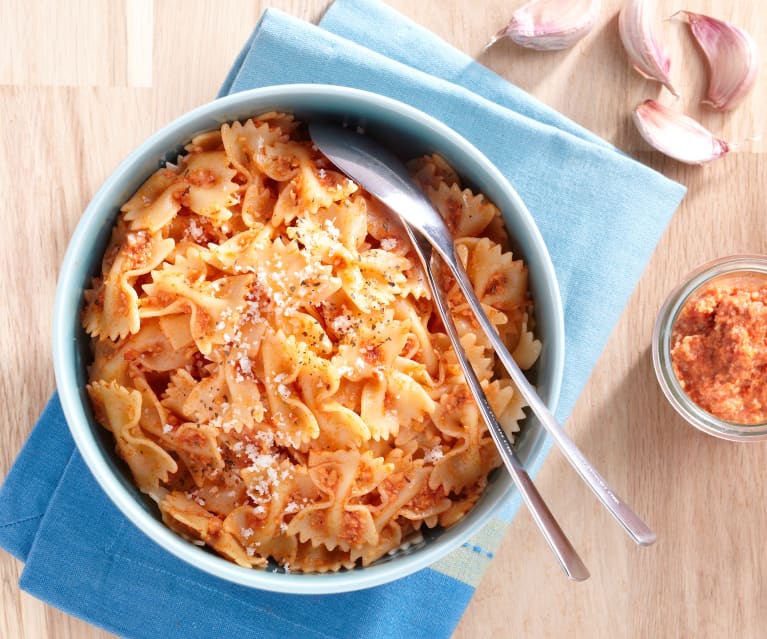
410, 133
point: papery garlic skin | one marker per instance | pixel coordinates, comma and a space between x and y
635, 25
733, 59
677, 135
550, 25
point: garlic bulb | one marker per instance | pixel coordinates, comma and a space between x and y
732, 57
548, 25
677, 135
635, 24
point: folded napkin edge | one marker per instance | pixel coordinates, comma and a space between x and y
270, 15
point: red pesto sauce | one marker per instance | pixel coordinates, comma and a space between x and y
719, 348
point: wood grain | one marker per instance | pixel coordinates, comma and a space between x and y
82, 83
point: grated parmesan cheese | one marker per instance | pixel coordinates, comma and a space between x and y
432, 455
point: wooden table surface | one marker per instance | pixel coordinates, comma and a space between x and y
82, 82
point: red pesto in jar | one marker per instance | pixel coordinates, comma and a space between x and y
719, 348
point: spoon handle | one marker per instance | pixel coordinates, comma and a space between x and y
557, 540
632, 524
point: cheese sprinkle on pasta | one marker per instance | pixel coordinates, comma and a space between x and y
269, 360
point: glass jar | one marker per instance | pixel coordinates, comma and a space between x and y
736, 268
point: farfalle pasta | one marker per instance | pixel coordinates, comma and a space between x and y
268, 358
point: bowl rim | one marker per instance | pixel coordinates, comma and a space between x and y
71, 397
691, 283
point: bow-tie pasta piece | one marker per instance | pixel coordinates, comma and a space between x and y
119, 409
337, 520
210, 189
112, 308
156, 203
473, 451
466, 214
431, 171
194, 522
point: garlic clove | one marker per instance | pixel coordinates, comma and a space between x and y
733, 59
635, 25
550, 25
677, 135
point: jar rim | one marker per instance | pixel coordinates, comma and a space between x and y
661, 349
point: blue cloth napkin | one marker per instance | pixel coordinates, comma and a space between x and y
84, 557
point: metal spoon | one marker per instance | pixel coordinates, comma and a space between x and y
558, 542
383, 175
